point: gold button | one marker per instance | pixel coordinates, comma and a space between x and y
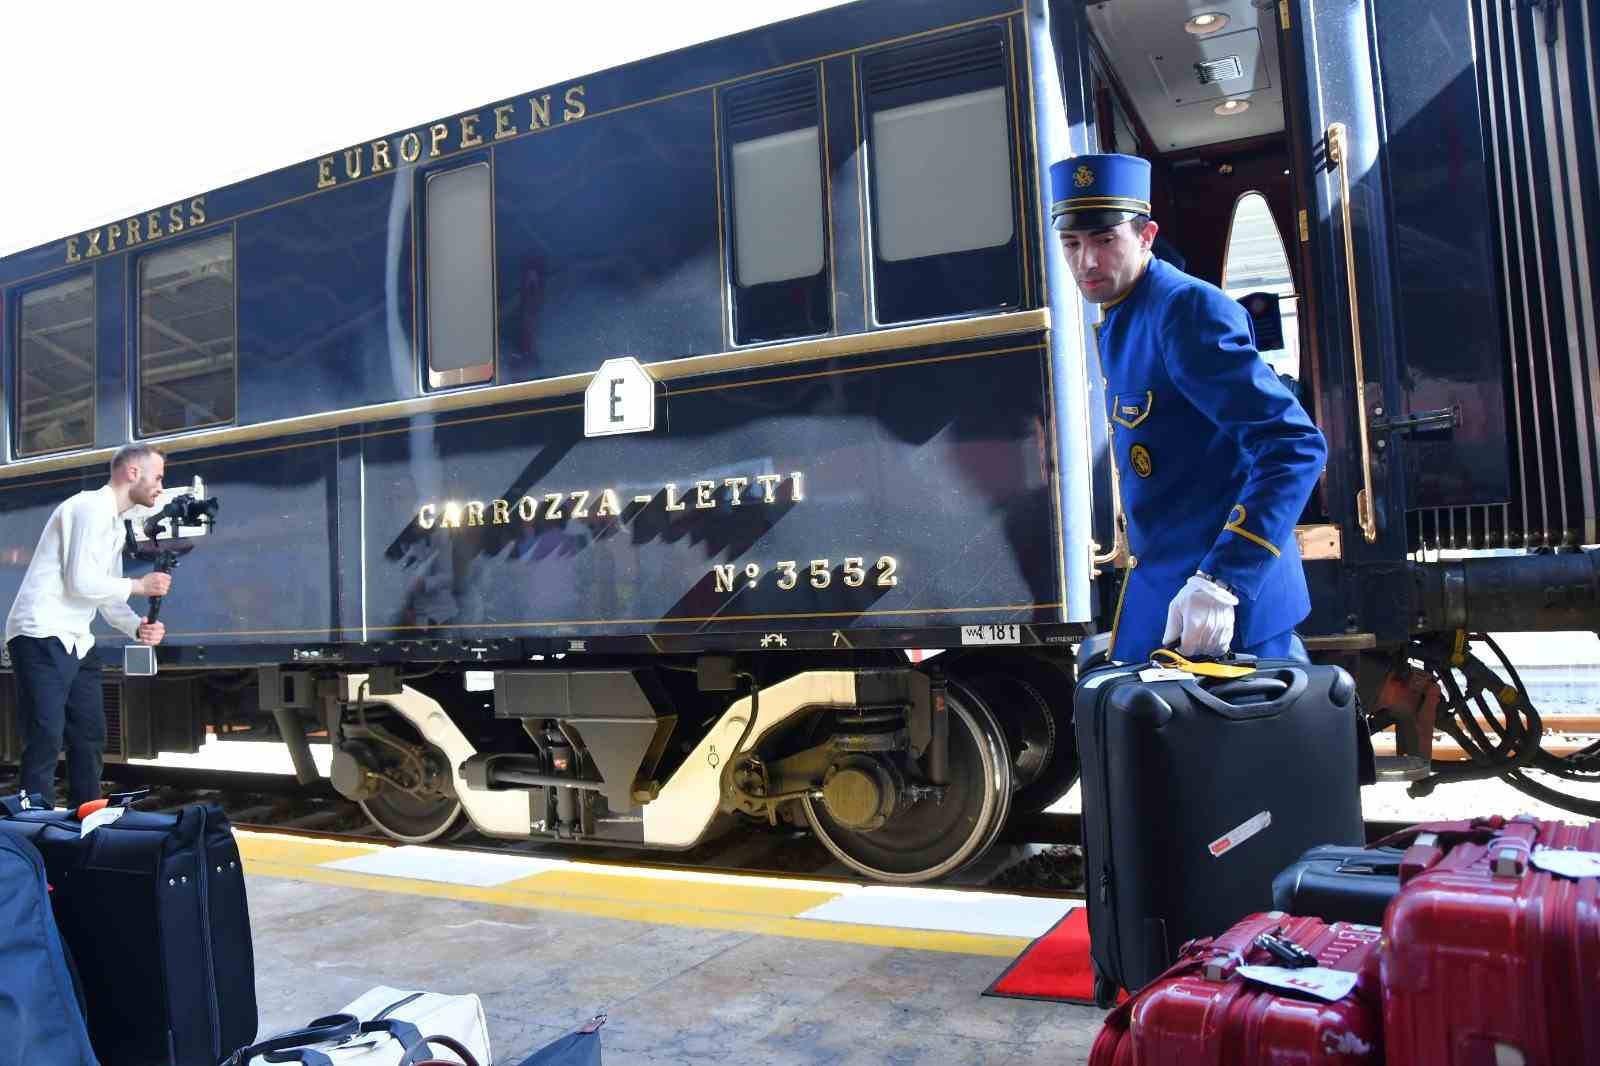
1133, 561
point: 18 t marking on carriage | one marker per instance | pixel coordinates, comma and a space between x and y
991, 634
818, 573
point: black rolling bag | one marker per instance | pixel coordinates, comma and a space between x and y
1198, 789
1340, 884
153, 909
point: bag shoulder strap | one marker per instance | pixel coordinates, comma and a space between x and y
322, 1030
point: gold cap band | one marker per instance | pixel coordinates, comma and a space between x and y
1100, 203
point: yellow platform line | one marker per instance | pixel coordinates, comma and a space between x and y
296, 851
758, 909
615, 888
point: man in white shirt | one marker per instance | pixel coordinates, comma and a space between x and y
76, 570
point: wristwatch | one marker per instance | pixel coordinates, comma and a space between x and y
1223, 585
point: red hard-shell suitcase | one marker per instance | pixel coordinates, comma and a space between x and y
1490, 959
1202, 1012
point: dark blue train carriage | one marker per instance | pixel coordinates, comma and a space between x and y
678, 402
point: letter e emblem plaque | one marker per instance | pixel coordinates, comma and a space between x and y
621, 398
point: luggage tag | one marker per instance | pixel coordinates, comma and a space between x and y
1319, 981
1573, 864
95, 813
1164, 673
104, 816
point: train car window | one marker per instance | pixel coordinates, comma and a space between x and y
943, 187
55, 367
775, 190
1256, 272
460, 279
187, 336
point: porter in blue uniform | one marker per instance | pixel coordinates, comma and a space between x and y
1215, 459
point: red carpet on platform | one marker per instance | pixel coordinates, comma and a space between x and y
1054, 967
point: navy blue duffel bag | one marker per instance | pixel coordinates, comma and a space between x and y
40, 1017
578, 1048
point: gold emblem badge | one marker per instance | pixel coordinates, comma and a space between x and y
1140, 456
1083, 178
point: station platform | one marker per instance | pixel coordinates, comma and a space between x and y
689, 966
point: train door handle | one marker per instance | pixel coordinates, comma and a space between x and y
1366, 508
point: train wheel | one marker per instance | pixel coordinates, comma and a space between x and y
1033, 701
402, 782
933, 838
412, 819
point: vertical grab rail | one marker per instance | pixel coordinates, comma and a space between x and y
1338, 155
1119, 521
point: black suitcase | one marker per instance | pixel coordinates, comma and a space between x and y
41, 1014
153, 909
1197, 790
1340, 884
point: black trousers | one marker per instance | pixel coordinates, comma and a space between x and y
59, 699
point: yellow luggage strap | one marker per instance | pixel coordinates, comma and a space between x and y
1168, 657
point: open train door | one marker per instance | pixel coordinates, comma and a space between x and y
1398, 246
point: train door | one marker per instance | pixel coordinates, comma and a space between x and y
1349, 136
1200, 91
1385, 110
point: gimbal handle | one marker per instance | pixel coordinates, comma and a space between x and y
166, 562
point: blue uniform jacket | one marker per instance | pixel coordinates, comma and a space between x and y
1215, 459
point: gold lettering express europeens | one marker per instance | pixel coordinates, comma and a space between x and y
536, 112
130, 232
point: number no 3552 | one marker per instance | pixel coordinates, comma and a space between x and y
853, 572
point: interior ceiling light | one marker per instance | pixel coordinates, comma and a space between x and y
1206, 23
1232, 107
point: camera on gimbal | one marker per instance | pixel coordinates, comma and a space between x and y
187, 511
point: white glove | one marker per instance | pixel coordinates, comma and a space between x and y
1202, 615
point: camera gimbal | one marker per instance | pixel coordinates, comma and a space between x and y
190, 509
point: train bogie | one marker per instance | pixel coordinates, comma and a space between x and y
904, 772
